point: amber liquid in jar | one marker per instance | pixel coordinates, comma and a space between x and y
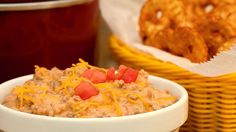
46, 37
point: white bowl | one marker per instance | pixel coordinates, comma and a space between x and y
163, 120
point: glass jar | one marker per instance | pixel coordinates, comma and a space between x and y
45, 33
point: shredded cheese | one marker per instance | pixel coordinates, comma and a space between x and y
85, 64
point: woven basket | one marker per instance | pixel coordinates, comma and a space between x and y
212, 100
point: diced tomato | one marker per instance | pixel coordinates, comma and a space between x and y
86, 90
121, 70
130, 75
111, 74
98, 77
94, 75
87, 74
124, 73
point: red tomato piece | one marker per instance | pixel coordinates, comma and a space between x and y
98, 76
124, 73
94, 75
86, 90
111, 74
121, 70
130, 75
87, 74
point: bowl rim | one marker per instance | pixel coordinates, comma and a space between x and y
26, 6
180, 102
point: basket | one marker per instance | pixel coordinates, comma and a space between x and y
212, 100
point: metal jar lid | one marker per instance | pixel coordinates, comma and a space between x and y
40, 5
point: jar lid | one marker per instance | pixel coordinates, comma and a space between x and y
40, 5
